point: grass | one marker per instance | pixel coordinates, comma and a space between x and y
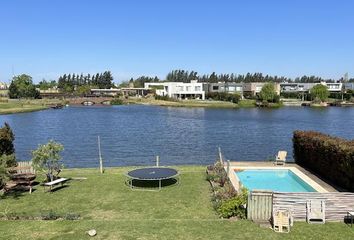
181, 103
106, 204
19, 106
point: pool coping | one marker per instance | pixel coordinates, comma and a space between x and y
237, 183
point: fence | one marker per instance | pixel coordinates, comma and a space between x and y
337, 203
261, 204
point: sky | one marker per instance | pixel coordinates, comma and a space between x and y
47, 38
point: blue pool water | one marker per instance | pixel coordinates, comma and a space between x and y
282, 180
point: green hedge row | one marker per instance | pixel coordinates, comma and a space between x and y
330, 157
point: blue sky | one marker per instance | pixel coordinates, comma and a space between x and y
47, 38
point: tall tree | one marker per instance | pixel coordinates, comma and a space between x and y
23, 87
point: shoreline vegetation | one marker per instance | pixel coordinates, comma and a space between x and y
184, 211
8, 106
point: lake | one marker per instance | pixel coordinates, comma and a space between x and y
135, 134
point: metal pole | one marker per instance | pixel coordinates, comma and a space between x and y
99, 153
157, 161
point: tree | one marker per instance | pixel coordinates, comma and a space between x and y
268, 92
320, 92
23, 87
47, 158
6, 140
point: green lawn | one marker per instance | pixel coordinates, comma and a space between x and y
116, 212
13, 106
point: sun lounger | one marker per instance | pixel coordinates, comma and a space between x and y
282, 221
315, 210
280, 158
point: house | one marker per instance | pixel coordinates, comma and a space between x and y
349, 86
254, 88
220, 87
3, 86
178, 90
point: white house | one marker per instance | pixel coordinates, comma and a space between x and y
178, 90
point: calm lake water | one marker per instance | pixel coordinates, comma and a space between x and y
134, 135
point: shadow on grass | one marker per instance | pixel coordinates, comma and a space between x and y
152, 184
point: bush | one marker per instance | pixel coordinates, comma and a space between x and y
330, 157
164, 98
222, 96
235, 206
116, 101
49, 215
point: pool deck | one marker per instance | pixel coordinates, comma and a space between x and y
318, 184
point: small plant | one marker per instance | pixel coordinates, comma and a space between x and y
49, 215
47, 157
116, 101
72, 216
235, 206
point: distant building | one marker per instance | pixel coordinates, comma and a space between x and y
306, 87
253, 88
178, 90
105, 92
349, 86
4, 86
231, 87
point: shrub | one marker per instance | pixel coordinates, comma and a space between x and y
330, 157
72, 216
320, 92
222, 96
49, 215
164, 98
116, 101
235, 206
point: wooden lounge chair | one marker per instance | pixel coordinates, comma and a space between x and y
282, 221
280, 158
315, 211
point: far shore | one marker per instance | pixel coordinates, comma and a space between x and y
30, 105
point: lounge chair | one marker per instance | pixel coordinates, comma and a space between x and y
315, 211
282, 220
280, 158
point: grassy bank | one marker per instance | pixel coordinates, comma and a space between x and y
13, 106
191, 103
106, 204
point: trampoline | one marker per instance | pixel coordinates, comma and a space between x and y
152, 174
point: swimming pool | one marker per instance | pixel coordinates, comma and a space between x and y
279, 180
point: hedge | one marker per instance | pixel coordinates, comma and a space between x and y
332, 158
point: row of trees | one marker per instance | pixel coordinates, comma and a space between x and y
69, 83
186, 76
139, 82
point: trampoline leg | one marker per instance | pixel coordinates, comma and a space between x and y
160, 184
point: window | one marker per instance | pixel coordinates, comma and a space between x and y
188, 88
215, 87
197, 88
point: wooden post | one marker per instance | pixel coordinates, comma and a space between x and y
157, 161
99, 154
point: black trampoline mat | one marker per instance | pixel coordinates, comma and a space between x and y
153, 173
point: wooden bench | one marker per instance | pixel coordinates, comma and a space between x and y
22, 175
55, 182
